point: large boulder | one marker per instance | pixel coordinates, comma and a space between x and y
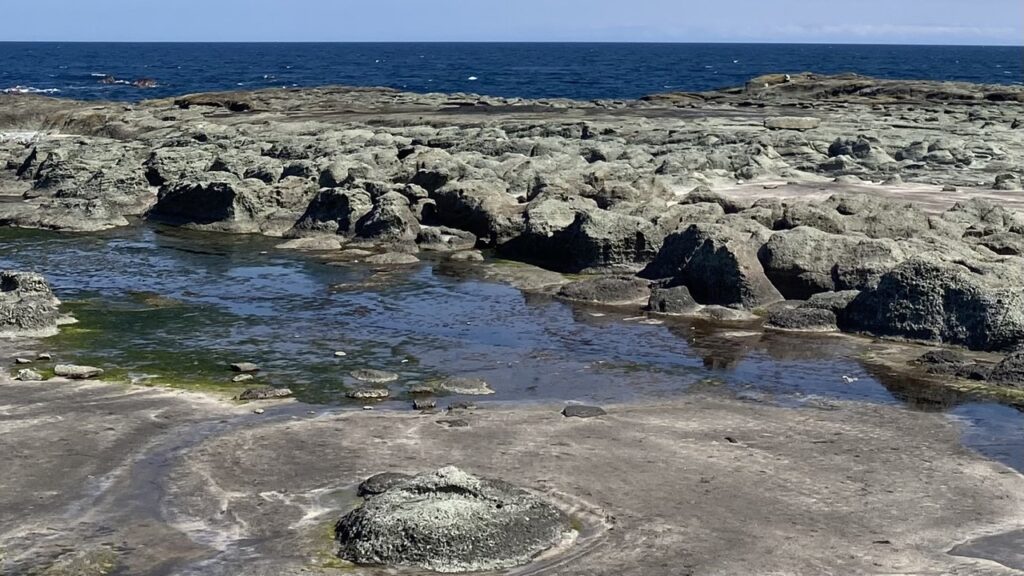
391, 220
1010, 371
482, 207
27, 305
805, 261
335, 211
449, 521
717, 263
973, 304
600, 240
222, 202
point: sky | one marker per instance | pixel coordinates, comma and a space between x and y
982, 22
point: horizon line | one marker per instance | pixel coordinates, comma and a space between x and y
639, 42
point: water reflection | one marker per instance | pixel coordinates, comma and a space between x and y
182, 305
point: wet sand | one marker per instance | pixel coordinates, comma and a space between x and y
109, 479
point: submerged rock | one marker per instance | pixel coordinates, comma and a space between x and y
381, 483
368, 393
450, 521
374, 376
802, 320
464, 386
608, 290
265, 394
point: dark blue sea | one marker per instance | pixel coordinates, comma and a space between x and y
583, 71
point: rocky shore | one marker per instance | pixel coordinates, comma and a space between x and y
818, 203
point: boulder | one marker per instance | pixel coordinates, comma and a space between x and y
600, 240
672, 300
27, 305
390, 220
444, 239
973, 304
450, 521
1010, 371
481, 207
608, 290
805, 261
717, 263
74, 372
802, 320
335, 211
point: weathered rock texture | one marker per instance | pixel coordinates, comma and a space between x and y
27, 305
449, 521
671, 186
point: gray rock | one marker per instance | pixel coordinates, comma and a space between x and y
805, 261
368, 393
464, 386
581, 411
980, 306
600, 240
607, 290
27, 305
467, 256
243, 378
244, 367
800, 123
673, 300
381, 483
29, 375
74, 372
802, 320
265, 394
335, 211
392, 259
834, 302
450, 521
717, 263
444, 239
1010, 371
374, 376
390, 220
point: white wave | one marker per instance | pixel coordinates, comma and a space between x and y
98, 75
29, 90
471, 78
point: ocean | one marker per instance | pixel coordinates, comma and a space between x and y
107, 71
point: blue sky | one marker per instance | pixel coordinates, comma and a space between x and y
857, 21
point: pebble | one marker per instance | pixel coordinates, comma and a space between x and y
44, 356
264, 394
245, 367
258, 411
242, 378
22, 361
465, 386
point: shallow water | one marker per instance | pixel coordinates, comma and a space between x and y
170, 306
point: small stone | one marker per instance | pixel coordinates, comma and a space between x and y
367, 408
27, 375
245, 367
368, 394
264, 394
258, 411
243, 378
581, 411
340, 354
374, 376
393, 259
424, 404
22, 361
44, 356
800, 123
467, 256
76, 372
949, 188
